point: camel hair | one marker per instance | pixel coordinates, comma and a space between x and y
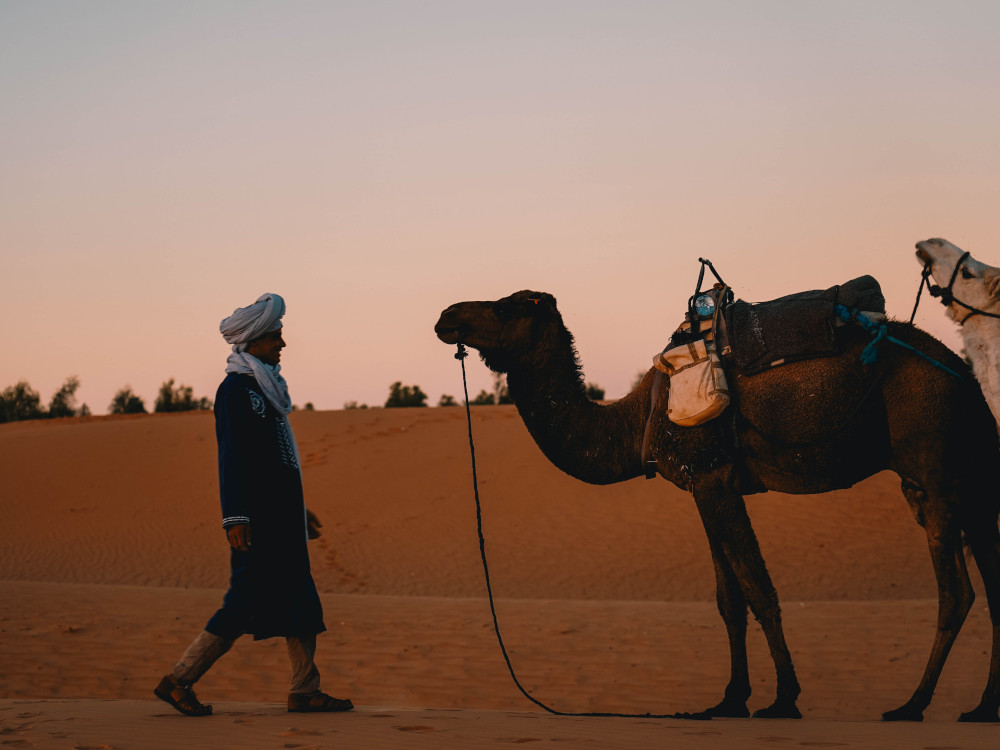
802, 428
977, 285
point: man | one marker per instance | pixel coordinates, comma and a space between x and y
271, 591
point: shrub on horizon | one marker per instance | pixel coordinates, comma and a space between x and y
405, 395
19, 402
181, 398
126, 402
485, 398
63, 403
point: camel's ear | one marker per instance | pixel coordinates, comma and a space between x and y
992, 280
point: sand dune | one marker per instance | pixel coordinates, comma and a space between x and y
133, 500
111, 558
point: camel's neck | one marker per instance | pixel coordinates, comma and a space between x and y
981, 337
595, 443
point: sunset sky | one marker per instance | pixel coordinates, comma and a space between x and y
163, 163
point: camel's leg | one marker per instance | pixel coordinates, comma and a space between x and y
984, 539
724, 514
955, 594
733, 608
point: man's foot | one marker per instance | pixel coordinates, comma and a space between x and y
181, 698
317, 702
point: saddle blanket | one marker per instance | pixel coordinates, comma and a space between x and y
800, 326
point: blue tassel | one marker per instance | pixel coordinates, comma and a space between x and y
880, 332
870, 353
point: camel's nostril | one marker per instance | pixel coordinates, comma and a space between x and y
922, 255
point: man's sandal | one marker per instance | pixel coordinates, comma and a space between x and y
181, 698
317, 702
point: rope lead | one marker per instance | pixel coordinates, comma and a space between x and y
460, 355
880, 332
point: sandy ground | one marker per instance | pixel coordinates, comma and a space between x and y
111, 559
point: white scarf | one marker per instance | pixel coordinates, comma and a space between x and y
274, 386
268, 378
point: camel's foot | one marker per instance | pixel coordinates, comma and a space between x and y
904, 713
728, 709
981, 713
779, 710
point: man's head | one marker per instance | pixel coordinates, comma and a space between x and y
267, 348
257, 326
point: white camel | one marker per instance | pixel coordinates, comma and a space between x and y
970, 290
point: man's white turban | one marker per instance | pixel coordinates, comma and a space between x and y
252, 322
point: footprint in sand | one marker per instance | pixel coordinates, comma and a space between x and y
19, 729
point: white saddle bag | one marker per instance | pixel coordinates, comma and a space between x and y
698, 388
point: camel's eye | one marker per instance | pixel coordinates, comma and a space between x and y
967, 274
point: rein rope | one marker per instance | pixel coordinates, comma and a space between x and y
460, 355
880, 333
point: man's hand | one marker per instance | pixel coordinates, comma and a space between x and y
239, 536
312, 525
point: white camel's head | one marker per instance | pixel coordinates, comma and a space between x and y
976, 284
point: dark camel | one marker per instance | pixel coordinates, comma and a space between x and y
803, 428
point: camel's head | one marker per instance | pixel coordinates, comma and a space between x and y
502, 331
976, 284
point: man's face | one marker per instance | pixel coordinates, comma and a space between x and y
267, 348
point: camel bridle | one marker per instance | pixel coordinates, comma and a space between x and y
946, 295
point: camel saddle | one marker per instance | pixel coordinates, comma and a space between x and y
753, 336
761, 335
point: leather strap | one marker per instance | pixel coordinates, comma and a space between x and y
648, 466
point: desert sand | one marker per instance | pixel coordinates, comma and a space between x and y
112, 558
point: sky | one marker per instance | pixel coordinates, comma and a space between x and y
163, 163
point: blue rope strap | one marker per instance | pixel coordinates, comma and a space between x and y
880, 334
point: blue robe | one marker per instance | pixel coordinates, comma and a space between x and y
271, 590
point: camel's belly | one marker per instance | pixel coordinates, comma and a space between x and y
810, 469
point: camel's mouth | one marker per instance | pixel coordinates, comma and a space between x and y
449, 331
924, 254
448, 334
450, 326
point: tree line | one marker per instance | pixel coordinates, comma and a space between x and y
20, 401
411, 395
